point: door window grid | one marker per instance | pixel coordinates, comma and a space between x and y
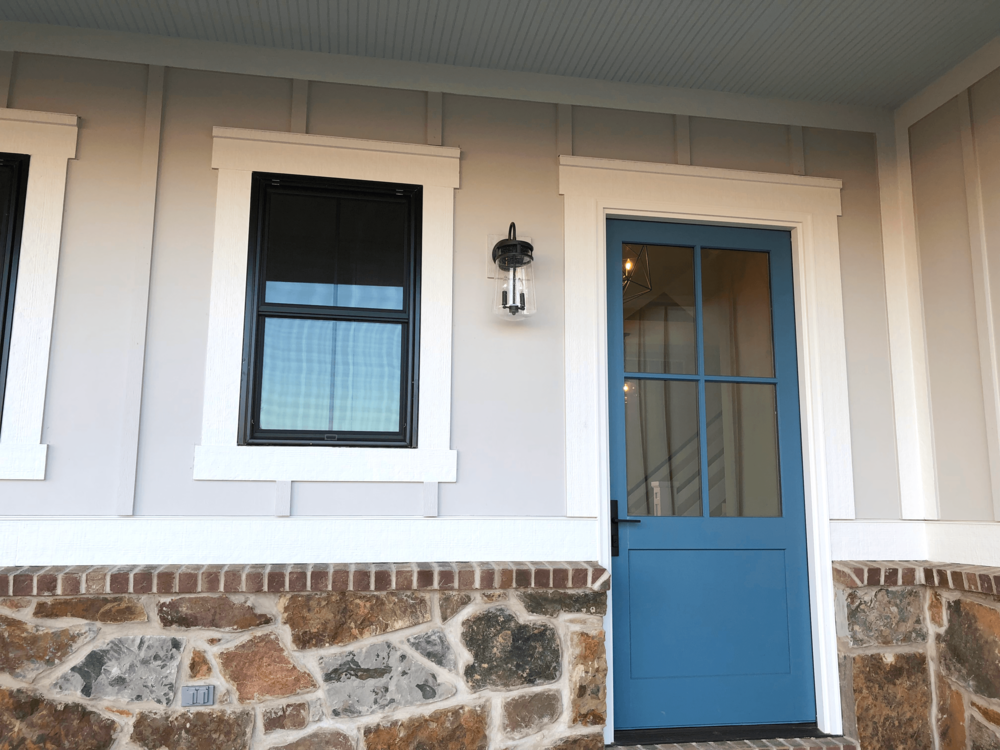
633, 382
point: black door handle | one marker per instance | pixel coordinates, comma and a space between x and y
615, 520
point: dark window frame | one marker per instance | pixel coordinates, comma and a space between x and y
265, 184
10, 252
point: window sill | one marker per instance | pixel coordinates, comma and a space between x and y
322, 464
23, 461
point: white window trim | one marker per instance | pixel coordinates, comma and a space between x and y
236, 154
50, 140
598, 189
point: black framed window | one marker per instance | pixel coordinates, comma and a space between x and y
330, 347
13, 188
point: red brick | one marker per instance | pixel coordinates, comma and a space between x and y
487, 576
522, 577
187, 581
425, 576
560, 578
892, 576
971, 582
118, 581
297, 579
404, 578
4, 584
232, 579
24, 584
596, 574
142, 581
543, 577
211, 580
873, 577
909, 576
319, 578
69, 584
361, 579
466, 577
580, 578
985, 584
97, 581
253, 579
446, 577
340, 578
276, 579
383, 578
46, 584
506, 578
958, 580
929, 577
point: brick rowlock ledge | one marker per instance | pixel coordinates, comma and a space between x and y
501, 656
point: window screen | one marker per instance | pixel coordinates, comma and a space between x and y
330, 347
13, 185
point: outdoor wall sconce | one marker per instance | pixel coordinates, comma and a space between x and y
515, 284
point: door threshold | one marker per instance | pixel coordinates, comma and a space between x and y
676, 735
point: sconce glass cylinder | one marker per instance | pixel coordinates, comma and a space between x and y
514, 292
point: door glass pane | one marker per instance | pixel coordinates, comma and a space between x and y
736, 304
659, 309
662, 448
335, 252
330, 375
742, 450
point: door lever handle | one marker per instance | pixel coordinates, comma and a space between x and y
615, 520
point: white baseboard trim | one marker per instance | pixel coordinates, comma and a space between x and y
960, 542
258, 540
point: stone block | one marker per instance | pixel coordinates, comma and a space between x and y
193, 730
28, 650
528, 714
451, 604
885, 617
261, 668
288, 716
339, 618
936, 607
380, 677
588, 680
507, 653
981, 737
991, 715
552, 603
324, 739
969, 648
459, 728
950, 717
593, 741
29, 721
96, 608
434, 647
199, 667
893, 701
130, 668
212, 612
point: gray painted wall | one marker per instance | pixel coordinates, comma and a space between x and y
509, 172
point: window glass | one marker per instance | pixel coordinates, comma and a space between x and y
336, 251
331, 343
13, 181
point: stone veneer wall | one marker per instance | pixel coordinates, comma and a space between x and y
919, 655
486, 656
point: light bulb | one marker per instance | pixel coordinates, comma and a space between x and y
628, 265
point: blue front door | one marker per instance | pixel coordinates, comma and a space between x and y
710, 585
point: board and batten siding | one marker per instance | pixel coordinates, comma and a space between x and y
509, 172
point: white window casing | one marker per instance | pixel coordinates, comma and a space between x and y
236, 154
598, 189
50, 140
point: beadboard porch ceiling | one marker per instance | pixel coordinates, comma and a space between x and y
862, 52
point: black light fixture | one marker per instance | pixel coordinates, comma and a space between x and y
514, 296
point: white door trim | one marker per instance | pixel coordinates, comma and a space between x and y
598, 189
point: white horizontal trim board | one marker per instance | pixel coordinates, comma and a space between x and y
598, 189
50, 140
236, 154
245, 541
959, 542
449, 79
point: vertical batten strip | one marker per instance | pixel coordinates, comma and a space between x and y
796, 149
435, 118
564, 129
430, 499
145, 217
682, 138
299, 118
6, 72
985, 325
282, 498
